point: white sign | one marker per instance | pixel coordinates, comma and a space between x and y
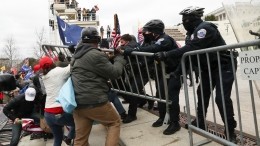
250, 65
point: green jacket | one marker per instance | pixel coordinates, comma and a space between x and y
90, 73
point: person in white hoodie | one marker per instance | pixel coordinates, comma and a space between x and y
53, 79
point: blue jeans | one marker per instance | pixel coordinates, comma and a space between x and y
17, 129
16, 133
57, 122
112, 97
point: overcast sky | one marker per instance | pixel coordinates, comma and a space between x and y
21, 19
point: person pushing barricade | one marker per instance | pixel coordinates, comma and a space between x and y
53, 79
203, 35
153, 32
136, 76
90, 73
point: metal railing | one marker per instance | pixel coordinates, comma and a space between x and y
140, 78
145, 74
242, 117
53, 50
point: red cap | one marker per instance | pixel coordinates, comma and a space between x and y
36, 67
45, 62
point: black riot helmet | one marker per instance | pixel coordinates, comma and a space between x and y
90, 35
193, 11
191, 17
155, 26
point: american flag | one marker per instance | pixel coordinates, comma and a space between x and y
96, 7
140, 36
115, 33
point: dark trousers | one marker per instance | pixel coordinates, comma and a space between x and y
56, 122
160, 94
196, 73
112, 97
17, 129
16, 133
133, 100
174, 86
108, 34
227, 82
93, 16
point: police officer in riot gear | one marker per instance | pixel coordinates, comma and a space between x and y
202, 35
153, 31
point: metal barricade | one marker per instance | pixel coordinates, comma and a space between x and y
244, 114
54, 50
137, 75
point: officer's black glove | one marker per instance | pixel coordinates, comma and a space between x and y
175, 75
128, 51
160, 56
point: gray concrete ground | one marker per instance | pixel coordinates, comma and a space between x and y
139, 132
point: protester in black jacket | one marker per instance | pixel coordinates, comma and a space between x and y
136, 79
21, 106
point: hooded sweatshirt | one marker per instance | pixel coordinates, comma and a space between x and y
90, 73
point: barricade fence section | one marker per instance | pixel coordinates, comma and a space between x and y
142, 76
215, 74
237, 102
53, 51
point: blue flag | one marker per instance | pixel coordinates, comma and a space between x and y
69, 34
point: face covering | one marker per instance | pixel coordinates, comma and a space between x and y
148, 37
188, 22
189, 27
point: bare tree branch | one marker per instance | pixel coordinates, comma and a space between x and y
10, 50
40, 36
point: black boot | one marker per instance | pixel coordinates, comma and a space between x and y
194, 123
172, 128
142, 103
67, 140
232, 135
129, 119
150, 104
158, 123
123, 115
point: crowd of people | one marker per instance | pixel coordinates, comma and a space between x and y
90, 70
83, 14
102, 30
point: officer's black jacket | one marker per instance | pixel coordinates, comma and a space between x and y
205, 35
133, 61
164, 43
